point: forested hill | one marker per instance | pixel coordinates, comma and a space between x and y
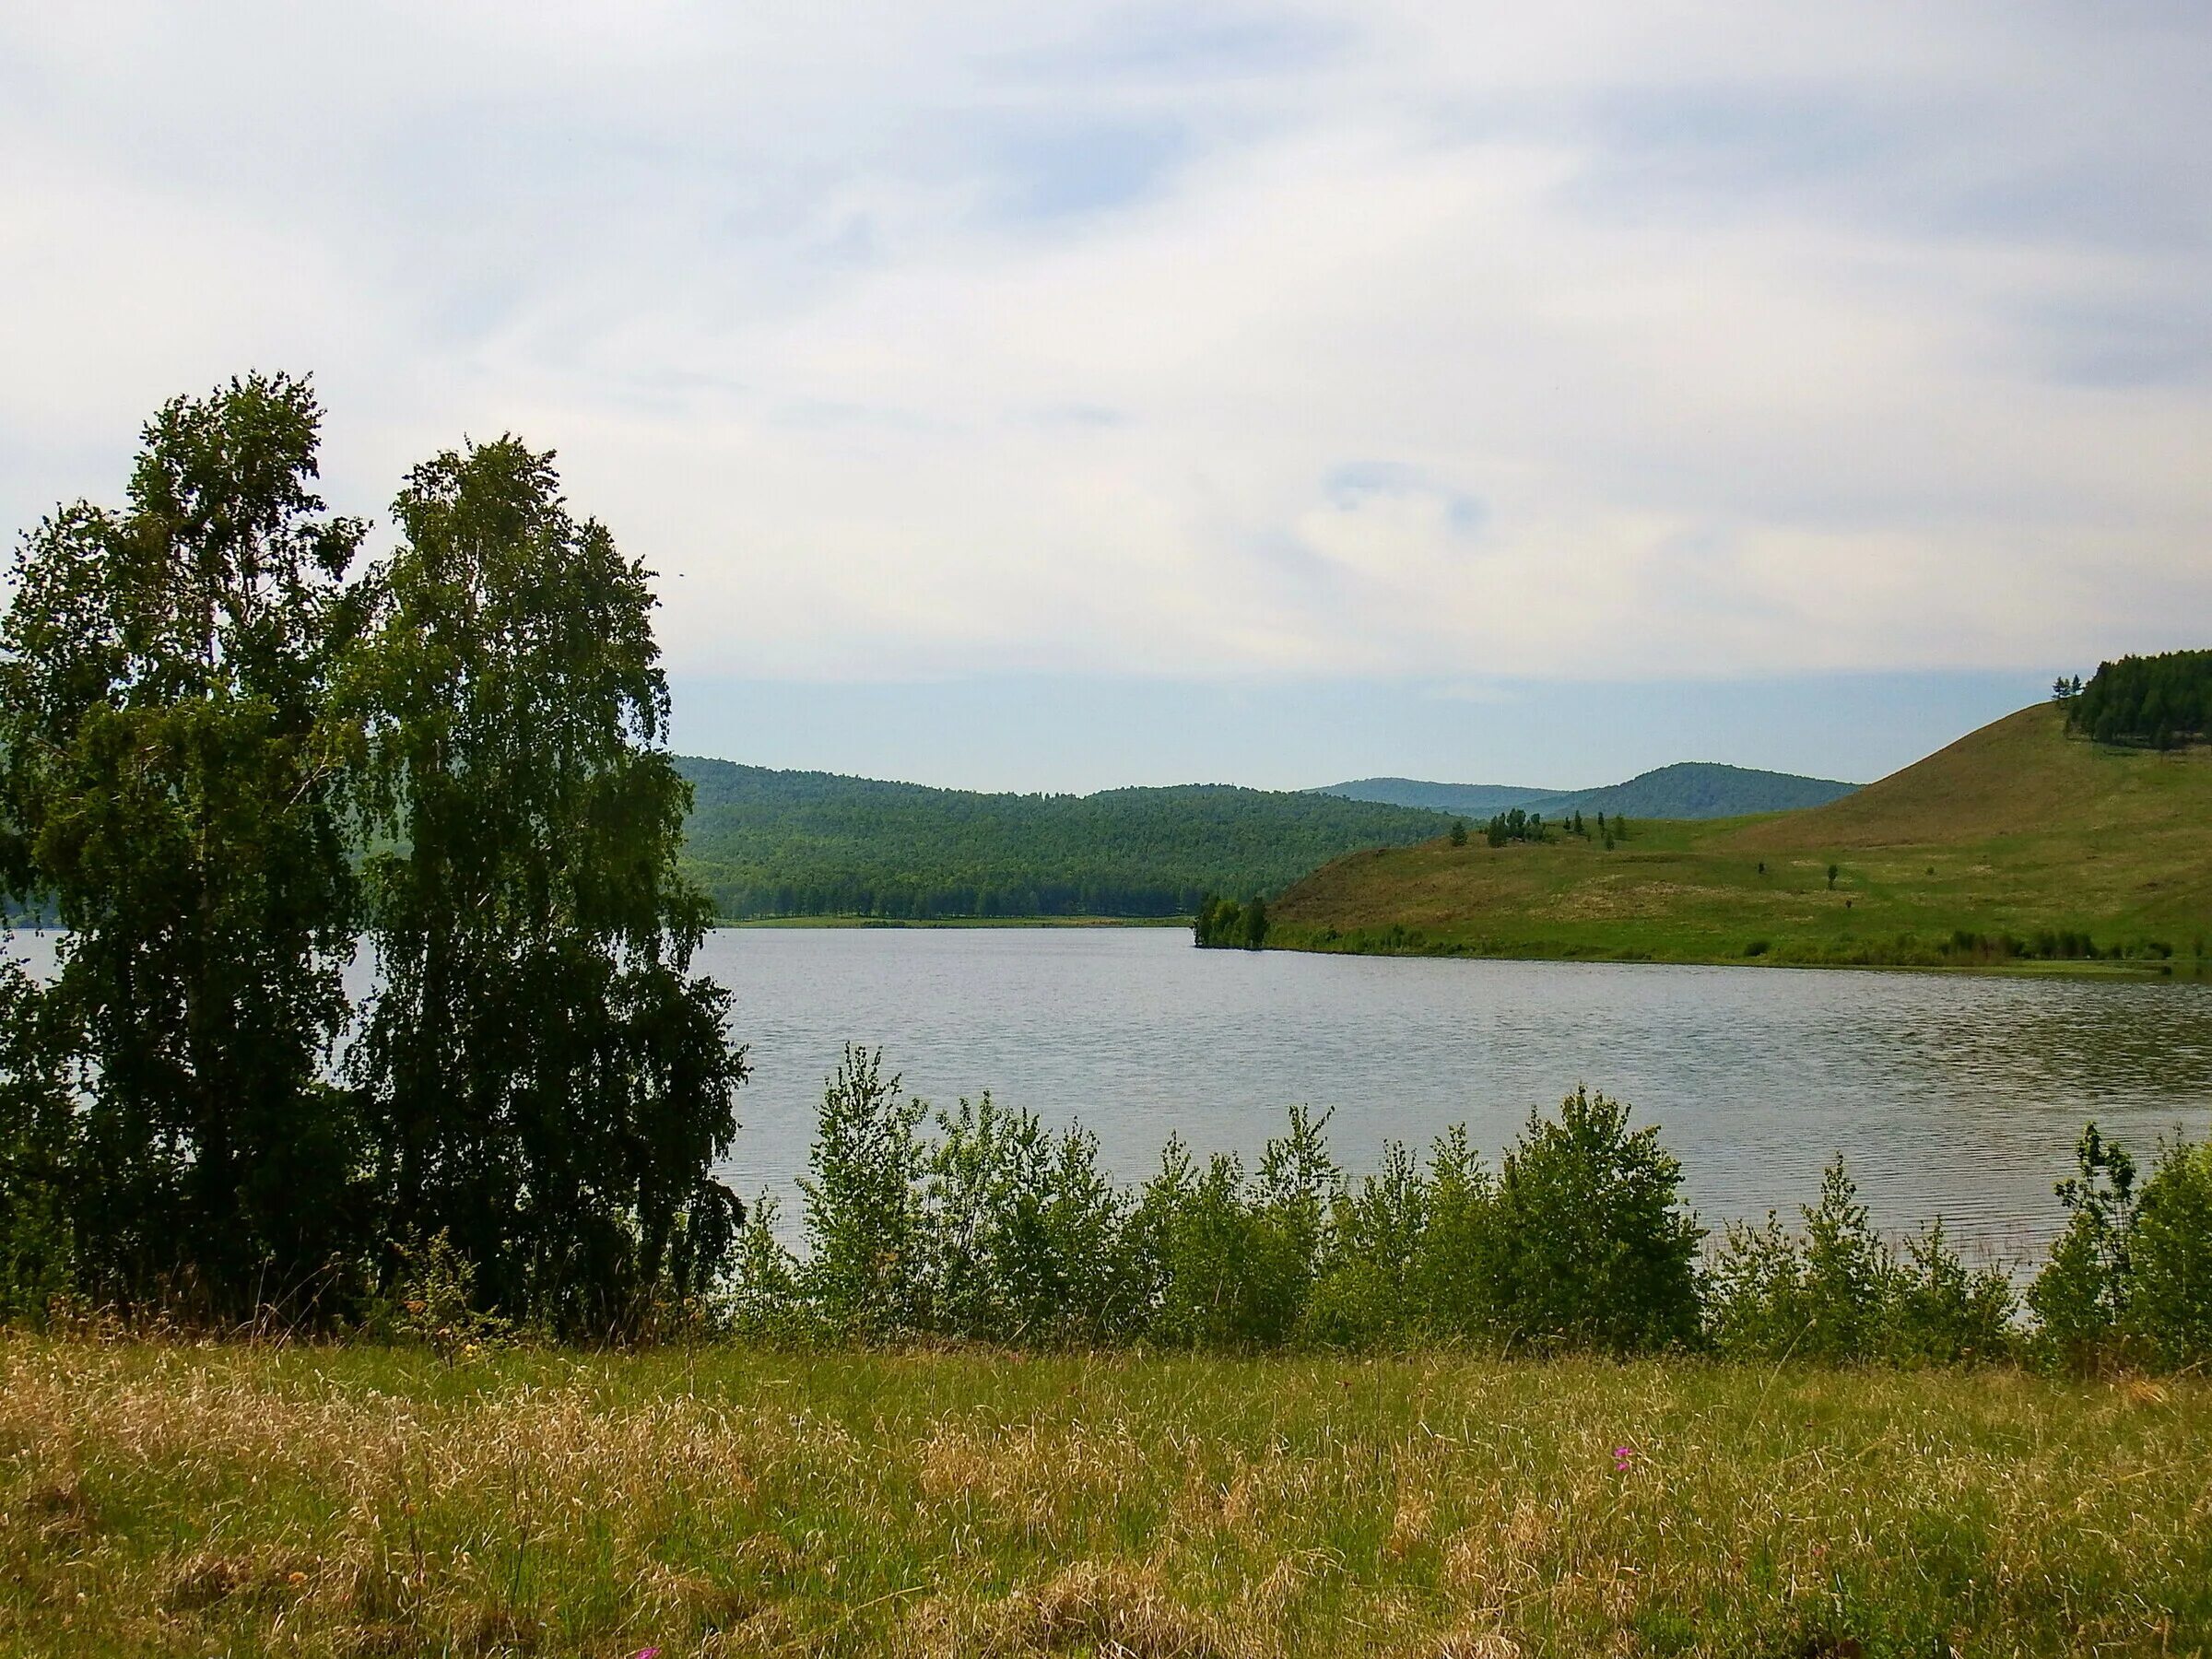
1688, 789
1462, 800
1699, 789
764, 843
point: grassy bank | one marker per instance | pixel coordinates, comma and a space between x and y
814, 921
174, 1499
2017, 846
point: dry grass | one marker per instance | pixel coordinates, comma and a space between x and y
226, 1501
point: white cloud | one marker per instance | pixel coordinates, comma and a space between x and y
1693, 340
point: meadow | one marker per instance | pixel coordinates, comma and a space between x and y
2017, 835
160, 1496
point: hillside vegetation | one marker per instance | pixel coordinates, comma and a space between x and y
2019, 842
763, 842
1688, 789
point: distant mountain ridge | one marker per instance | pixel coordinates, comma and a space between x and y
1462, 800
1688, 789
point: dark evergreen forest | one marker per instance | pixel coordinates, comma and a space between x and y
2159, 700
795, 843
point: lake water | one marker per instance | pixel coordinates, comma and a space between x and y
1950, 1095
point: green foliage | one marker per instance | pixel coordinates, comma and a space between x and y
1224, 924
433, 1301
547, 1083
2080, 1296
1593, 1250
791, 843
988, 1229
2131, 1278
1837, 1293
992, 1228
37, 1153
172, 775
2168, 1257
202, 723
863, 1202
2157, 700
1459, 832
1513, 826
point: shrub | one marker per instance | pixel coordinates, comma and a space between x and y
1837, 1293
2082, 1292
1592, 1248
863, 1210
764, 1296
1945, 1313
1369, 1291
1021, 1227
2169, 1296
1456, 1267
1220, 1261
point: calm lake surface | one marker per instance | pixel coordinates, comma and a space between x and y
1948, 1095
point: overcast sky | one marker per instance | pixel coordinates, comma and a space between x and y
1062, 395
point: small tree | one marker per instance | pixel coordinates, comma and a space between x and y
1459, 832
864, 1201
2081, 1294
1832, 873
1593, 1247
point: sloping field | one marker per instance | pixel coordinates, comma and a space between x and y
2016, 844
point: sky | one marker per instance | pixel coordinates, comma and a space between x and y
1054, 398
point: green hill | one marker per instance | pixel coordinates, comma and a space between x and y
765, 842
1696, 789
1465, 800
2019, 842
1688, 789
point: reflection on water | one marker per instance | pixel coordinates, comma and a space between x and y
1948, 1095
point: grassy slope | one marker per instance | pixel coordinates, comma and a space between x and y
2012, 828
203, 1501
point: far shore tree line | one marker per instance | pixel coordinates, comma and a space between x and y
232, 754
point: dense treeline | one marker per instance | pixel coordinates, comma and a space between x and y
1224, 924
2160, 700
231, 758
784, 843
982, 1224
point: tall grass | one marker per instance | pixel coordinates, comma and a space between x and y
359, 1501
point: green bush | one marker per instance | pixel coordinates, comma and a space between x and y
1592, 1248
2169, 1301
863, 1202
2080, 1296
1837, 1293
